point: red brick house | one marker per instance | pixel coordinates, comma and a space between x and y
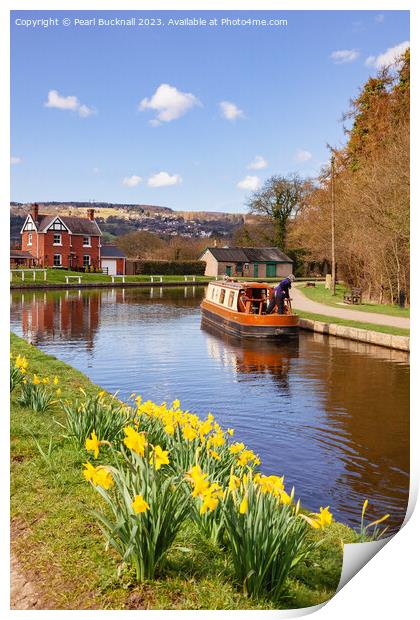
62, 241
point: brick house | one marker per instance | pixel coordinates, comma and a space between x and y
62, 241
247, 262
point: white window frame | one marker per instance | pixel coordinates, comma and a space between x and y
88, 262
89, 242
60, 261
61, 239
30, 238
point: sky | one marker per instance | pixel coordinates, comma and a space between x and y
185, 116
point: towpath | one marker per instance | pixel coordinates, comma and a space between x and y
301, 302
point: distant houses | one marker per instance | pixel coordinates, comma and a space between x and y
246, 262
66, 242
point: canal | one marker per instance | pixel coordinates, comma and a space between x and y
329, 414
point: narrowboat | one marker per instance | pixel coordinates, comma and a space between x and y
239, 309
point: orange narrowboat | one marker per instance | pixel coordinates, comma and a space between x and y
239, 309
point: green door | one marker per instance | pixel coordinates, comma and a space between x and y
228, 270
271, 270
255, 270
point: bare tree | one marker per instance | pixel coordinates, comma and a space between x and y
280, 199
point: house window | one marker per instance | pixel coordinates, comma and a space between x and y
239, 268
86, 260
29, 238
57, 240
57, 260
86, 242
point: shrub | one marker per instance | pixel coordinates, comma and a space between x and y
163, 267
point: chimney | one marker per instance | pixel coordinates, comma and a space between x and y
91, 214
34, 212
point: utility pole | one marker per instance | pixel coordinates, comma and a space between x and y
332, 227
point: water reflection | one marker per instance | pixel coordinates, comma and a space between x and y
330, 414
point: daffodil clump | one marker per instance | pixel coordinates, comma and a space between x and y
147, 502
170, 466
39, 393
103, 415
18, 369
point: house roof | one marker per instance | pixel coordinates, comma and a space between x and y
20, 254
249, 255
111, 251
76, 225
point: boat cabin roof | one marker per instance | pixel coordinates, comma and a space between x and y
240, 285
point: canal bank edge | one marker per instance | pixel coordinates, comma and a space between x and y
400, 343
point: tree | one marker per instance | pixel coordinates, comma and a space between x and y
280, 199
140, 244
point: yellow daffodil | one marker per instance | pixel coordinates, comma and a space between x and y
135, 441
139, 504
58, 391
92, 444
45, 380
234, 483
230, 431
189, 433
176, 404
36, 380
159, 457
365, 505
99, 476
378, 521
243, 506
215, 455
169, 429
103, 478
237, 447
55, 380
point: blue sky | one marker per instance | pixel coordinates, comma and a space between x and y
191, 118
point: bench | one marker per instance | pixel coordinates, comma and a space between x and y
79, 278
119, 276
354, 296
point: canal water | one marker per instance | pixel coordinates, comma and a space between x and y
329, 414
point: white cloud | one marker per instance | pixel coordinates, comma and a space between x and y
230, 110
55, 100
339, 57
250, 183
169, 103
131, 181
302, 155
15, 160
258, 163
389, 58
380, 18
164, 179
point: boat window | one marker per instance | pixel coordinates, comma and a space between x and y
231, 297
222, 295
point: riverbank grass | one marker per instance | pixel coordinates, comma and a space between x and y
384, 329
323, 295
61, 549
58, 276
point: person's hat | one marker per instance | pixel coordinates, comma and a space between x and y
291, 277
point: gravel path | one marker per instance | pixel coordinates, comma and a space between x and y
22, 592
301, 302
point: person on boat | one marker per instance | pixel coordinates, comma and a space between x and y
280, 294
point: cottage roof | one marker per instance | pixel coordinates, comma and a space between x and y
14, 253
249, 255
111, 251
76, 225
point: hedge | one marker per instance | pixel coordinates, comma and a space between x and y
165, 268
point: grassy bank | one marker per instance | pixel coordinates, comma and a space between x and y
322, 295
58, 277
61, 549
384, 329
